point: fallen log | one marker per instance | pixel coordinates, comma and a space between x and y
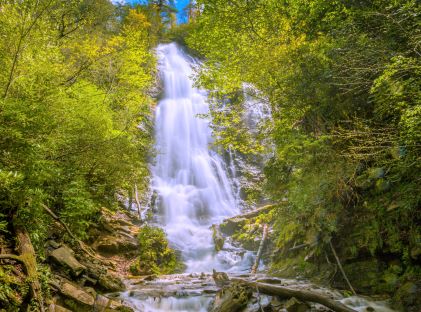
304, 295
231, 225
260, 251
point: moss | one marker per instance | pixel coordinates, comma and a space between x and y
12, 289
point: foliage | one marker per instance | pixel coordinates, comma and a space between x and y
74, 109
156, 257
343, 82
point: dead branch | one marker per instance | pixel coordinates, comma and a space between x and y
136, 196
260, 251
82, 246
341, 268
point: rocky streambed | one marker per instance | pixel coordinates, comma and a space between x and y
199, 292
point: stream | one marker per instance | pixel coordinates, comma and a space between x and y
194, 191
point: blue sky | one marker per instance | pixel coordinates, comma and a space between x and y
180, 4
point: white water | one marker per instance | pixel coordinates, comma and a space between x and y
190, 179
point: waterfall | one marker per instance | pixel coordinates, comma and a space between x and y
193, 192
190, 179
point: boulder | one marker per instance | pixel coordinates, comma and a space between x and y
104, 304
232, 298
101, 303
221, 278
110, 282
64, 256
77, 294
115, 244
114, 305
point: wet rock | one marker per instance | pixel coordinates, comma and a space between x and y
259, 304
64, 256
295, 305
221, 278
120, 308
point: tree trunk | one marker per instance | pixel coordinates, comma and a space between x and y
28, 258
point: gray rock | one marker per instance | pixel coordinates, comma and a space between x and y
64, 256
77, 294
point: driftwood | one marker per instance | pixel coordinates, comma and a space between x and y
260, 251
341, 268
304, 295
82, 246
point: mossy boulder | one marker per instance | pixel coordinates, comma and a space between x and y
116, 244
232, 298
232, 225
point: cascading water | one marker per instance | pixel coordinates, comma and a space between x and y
190, 179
